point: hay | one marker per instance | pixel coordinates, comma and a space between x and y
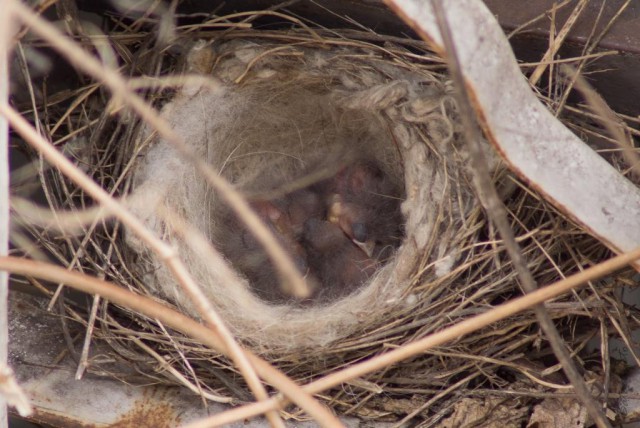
389, 97
306, 109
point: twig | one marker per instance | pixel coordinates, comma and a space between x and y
176, 321
587, 51
557, 42
596, 55
67, 222
536, 19
616, 127
199, 332
453, 333
166, 252
403, 422
84, 355
123, 93
254, 13
498, 215
175, 373
12, 393
5, 42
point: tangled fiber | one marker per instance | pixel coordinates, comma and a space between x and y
279, 108
275, 113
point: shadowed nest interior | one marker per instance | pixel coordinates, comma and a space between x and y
294, 116
303, 98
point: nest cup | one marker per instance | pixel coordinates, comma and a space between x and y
276, 113
264, 107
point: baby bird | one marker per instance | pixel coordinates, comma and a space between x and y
248, 256
337, 231
365, 204
339, 264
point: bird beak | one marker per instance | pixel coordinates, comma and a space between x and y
367, 247
336, 209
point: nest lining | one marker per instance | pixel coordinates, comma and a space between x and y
444, 276
292, 114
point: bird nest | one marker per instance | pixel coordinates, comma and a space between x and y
285, 113
295, 127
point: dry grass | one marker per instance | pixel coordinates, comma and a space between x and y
101, 133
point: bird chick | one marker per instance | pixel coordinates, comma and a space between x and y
249, 257
365, 204
340, 265
337, 231
302, 205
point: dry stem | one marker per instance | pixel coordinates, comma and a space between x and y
148, 307
207, 336
480, 277
498, 215
165, 251
452, 333
123, 93
5, 42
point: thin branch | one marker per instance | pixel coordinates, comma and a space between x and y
616, 127
175, 320
70, 222
557, 42
84, 355
449, 334
179, 376
5, 42
123, 93
535, 19
498, 215
587, 51
167, 253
